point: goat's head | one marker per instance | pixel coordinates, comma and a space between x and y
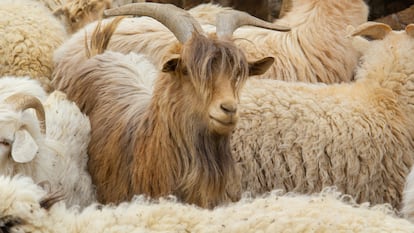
18, 129
209, 70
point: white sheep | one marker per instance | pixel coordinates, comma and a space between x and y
316, 49
29, 34
25, 207
48, 146
169, 139
357, 136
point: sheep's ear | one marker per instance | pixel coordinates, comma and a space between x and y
261, 66
24, 147
171, 65
410, 29
372, 30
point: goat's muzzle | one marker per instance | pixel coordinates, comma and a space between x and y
223, 118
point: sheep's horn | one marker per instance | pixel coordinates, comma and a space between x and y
177, 20
410, 29
374, 30
22, 102
228, 21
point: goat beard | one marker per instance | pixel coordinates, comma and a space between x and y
210, 171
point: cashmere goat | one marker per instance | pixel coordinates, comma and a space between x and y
174, 139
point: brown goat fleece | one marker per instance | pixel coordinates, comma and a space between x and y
161, 143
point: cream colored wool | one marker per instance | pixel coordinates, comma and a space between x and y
316, 48
326, 212
29, 34
408, 197
358, 136
62, 157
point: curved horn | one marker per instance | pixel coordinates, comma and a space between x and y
374, 30
409, 29
177, 20
22, 102
228, 21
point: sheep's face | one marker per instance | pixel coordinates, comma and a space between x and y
16, 140
211, 74
383, 49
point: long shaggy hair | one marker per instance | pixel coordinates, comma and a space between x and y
157, 143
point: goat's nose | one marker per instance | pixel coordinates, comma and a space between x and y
229, 107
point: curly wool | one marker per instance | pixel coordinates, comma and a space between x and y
357, 136
22, 201
29, 36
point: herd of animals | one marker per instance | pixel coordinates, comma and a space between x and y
145, 117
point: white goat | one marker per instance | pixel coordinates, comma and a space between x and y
358, 136
48, 146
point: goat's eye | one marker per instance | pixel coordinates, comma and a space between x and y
184, 71
368, 37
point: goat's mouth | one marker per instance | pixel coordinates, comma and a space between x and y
223, 126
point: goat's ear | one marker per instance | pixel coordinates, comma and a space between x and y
410, 29
24, 147
261, 66
58, 12
171, 65
372, 30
